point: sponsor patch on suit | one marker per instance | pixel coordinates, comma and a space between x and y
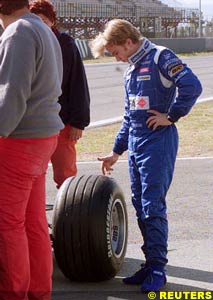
144, 70
142, 102
175, 70
143, 77
139, 102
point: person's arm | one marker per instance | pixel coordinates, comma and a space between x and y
187, 83
157, 119
122, 137
107, 162
75, 133
16, 72
120, 143
75, 98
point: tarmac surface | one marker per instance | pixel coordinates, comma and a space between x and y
190, 235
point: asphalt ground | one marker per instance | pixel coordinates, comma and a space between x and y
190, 235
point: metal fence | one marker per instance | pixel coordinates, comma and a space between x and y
155, 19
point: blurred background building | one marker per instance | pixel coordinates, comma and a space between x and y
155, 19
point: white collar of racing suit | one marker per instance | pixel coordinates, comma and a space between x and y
145, 47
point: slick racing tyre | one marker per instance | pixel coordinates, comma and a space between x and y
89, 228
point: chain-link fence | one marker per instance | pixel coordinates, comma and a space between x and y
152, 17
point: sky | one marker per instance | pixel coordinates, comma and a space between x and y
206, 6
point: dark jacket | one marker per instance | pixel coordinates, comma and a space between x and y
75, 98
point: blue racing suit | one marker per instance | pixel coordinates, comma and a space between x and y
151, 81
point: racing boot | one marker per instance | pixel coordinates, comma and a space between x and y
155, 279
138, 277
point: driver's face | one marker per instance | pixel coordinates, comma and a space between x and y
122, 52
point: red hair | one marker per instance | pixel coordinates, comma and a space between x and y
44, 7
7, 7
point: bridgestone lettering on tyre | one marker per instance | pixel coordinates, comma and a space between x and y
90, 228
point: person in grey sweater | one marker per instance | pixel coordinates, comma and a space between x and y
30, 85
31, 75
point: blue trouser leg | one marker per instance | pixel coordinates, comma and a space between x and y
151, 167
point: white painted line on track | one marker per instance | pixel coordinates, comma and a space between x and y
125, 160
105, 122
205, 99
195, 157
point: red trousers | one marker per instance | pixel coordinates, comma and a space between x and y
25, 249
64, 158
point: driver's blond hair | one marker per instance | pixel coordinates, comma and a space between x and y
116, 32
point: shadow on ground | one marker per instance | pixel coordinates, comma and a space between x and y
114, 289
